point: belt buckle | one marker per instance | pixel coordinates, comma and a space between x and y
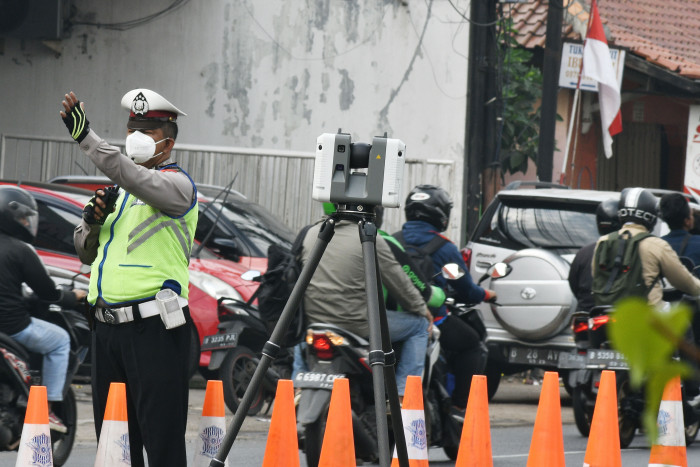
109, 316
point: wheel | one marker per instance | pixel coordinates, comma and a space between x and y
583, 410
565, 378
493, 380
627, 412
62, 443
691, 421
451, 452
236, 372
313, 439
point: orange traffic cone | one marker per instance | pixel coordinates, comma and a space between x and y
338, 448
475, 443
669, 449
282, 446
35, 444
547, 447
113, 448
413, 417
212, 426
604, 439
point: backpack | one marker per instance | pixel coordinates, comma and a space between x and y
276, 285
618, 269
421, 257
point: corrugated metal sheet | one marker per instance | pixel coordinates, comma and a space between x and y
636, 159
278, 180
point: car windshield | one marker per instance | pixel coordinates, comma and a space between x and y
526, 224
253, 221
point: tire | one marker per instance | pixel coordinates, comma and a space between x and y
583, 410
691, 432
628, 419
451, 452
313, 439
62, 443
493, 380
236, 372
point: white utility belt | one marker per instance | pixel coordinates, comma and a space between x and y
125, 314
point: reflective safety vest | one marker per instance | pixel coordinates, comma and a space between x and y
142, 249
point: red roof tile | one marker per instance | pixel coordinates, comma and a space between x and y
665, 32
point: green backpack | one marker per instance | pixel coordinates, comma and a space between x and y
617, 270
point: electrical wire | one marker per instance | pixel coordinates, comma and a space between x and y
474, 23
126, 25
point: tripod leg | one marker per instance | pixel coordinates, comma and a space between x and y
271, 347
368, 237
390, 375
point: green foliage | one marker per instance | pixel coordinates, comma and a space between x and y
649, 338
521, 90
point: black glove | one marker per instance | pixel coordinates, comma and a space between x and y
111, 193
77, 123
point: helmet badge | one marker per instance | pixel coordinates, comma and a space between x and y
420, 196
140, 105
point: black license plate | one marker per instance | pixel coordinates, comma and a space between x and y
315, 380
534, 356
220, 341
572, 361
606, 359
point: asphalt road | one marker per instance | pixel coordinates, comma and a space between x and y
512, 414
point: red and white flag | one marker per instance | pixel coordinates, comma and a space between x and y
597, 65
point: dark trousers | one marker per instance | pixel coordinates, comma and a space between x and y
465, 357
152, 362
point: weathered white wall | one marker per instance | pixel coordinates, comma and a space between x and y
257, 73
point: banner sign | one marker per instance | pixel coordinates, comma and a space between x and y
692, 154
571, 56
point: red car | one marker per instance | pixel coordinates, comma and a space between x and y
211, 277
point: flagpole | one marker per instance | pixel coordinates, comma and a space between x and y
573, 114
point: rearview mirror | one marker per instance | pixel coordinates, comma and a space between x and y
452, 271
499, 270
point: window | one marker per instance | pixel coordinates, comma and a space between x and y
56, 226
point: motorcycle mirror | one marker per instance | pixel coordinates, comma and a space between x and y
499, 270
452, 271
251, 275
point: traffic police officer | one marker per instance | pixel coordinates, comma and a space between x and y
139, 248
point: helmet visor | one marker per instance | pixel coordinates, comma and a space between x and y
25, 215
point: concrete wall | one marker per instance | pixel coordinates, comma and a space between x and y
260, 74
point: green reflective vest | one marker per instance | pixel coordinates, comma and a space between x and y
141, 249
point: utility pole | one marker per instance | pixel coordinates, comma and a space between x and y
550, 89
481, 119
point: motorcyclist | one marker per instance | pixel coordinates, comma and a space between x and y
580, 274
638, 213
675, 211
19, 263
428, 209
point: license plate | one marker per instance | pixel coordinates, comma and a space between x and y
534, 356
572, 361
606, 359
314, 380
220, 341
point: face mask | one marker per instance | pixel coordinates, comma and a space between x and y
141, 147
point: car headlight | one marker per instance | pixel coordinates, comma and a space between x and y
213, 286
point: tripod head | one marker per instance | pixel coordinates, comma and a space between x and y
354, 212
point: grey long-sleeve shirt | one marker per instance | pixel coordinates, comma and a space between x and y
337, 293
170, 192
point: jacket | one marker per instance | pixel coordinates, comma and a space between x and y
465, 290
337, 293
659, 259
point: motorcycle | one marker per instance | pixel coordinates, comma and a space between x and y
236, 351
20, 369
333, 352
595, 354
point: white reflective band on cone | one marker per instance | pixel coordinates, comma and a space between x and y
35, 446
416, 434
670, 424
211, 433
114, 448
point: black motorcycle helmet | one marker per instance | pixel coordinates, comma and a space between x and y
431, 204
19, 216
606, 216
639, 206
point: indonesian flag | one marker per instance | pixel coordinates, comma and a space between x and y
597, 65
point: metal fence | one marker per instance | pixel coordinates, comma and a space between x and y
278, 180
